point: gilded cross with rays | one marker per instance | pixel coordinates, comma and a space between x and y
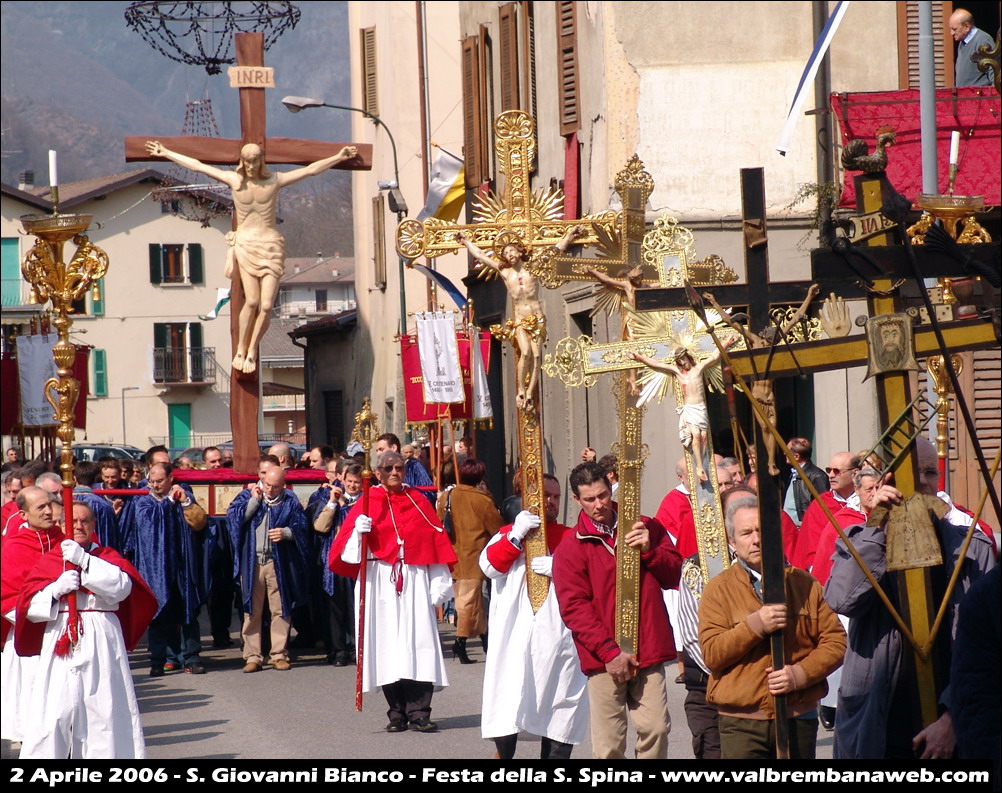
579, 361
536, 220
535, 217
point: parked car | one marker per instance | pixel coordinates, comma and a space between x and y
95, 451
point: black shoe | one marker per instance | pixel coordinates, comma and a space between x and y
340, 659
423, 725
459, 651
157, 671
396, 725
222, 643
680, 679
826, 716
483, 642
194, 668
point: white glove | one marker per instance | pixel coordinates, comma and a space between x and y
525, 522
363, 524
543, 565
66, 583
73, 552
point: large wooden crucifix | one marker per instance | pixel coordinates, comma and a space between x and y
895, 406
244, 390
529, 238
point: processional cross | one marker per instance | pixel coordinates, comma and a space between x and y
244, 392
916, 549
533, 223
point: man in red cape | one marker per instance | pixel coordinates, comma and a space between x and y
82, 703
408, 575
20, 552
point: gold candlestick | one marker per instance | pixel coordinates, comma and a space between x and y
63, 283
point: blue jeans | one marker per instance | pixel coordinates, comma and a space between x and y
173, 640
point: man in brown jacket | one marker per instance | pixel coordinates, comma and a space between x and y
471, 519
734, 628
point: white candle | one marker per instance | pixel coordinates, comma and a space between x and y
954, 146
53, 173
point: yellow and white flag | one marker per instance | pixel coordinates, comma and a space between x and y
447, 189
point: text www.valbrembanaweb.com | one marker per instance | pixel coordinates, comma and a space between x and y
826, 775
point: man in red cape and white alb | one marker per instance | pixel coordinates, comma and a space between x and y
533, 680
407, 576
82, 704
20, 552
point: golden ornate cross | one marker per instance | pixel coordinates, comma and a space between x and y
579, 361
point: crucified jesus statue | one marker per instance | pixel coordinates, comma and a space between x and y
257, 248
761, 390
527, 326
693, 421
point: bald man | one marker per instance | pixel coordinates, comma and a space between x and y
38, 535
969, 40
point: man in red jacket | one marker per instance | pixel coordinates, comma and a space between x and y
584, 575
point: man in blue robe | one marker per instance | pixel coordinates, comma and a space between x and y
108, 535
270, 541
163, 543
332, 505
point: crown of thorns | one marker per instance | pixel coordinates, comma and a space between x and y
506, 238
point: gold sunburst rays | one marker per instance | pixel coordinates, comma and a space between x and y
677, 329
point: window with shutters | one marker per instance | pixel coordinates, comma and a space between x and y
176, 264
370, 86
179, 357
908, 44
379, 242
487, 103
473, 139
528, 57
334, 418
321, 296
567, 52
99, 380
508, 56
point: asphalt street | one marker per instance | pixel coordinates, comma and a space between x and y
309, 712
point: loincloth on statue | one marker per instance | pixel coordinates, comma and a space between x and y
534, 326
258, 257
691, 416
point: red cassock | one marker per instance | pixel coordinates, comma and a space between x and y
811, 527
675, 514
825, 549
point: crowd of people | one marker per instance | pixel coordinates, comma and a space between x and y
147, 564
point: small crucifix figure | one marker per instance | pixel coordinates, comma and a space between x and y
693, 420
527, 326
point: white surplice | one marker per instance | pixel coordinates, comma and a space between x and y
533, 680
401, 631
16, 677
83, 705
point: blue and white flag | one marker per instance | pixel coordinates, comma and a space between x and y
807, 78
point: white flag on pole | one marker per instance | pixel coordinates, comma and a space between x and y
482, 408
439, 353
34, 367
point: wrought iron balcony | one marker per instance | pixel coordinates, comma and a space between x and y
184, 365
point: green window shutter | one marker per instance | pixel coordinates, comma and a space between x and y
159, 336
97, 303
196, 272
195, 335
100, 381
156, 264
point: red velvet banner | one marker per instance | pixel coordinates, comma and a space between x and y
420, 412
11, 388
975, 112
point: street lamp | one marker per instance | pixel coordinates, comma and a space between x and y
124, 389
395, 198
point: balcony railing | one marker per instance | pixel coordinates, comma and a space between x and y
184, 365
294, 402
